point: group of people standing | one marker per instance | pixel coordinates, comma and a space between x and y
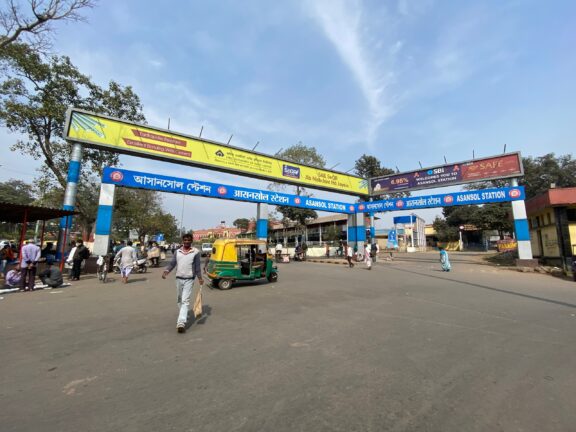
25, 273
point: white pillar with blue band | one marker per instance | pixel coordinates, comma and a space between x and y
356, 231
104, 219
521, 228
69, 197
262, 221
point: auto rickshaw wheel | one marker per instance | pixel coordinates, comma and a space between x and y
273, 277
225, 284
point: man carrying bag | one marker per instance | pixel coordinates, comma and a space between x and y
186, 260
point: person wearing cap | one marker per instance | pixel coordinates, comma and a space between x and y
51, 276
30, 256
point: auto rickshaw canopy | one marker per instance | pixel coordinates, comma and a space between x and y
227, 249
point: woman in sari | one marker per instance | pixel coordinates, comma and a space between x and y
445, 260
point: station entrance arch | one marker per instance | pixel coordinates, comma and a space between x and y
93, 130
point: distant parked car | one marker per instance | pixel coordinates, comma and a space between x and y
206, 249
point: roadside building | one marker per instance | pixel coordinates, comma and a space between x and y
220, 231
552, 222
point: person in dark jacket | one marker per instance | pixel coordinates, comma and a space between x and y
80, 255
51, 276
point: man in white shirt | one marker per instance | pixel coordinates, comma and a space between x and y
349, 254
279, 249
128, 260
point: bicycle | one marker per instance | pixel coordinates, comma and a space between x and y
102, 269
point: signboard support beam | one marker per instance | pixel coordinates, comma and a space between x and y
104, 219
262, 221
69, 198
356, 232
522, 230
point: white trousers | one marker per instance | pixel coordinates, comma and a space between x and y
184, 290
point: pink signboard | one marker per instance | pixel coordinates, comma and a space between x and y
496, 167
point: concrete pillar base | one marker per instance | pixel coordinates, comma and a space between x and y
532, 263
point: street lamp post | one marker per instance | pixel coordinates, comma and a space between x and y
460, 243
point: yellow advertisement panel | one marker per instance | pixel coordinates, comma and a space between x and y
112, 134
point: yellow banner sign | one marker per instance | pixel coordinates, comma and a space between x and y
130, 138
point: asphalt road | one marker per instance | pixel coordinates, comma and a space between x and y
403, 347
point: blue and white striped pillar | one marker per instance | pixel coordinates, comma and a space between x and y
69, 198
356, 231
372, 229
262, 221
104, 219
521, 228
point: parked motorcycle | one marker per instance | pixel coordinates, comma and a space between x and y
141, 266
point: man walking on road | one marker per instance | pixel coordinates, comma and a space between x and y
349, 254
187, 263
128, 258
367, 255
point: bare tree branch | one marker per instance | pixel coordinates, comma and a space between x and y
35, 24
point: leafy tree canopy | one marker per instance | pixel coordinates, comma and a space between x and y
141, 210
298, 215
444, 231
369, 166
241, 223
541, 172
34, 98
16, 192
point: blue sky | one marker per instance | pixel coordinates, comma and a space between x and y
406, 81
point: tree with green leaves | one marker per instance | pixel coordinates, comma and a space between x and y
16, 192
541, 173
33, 24
494, 216
444, 231
141, 210
241, 223
369, 166
34, 98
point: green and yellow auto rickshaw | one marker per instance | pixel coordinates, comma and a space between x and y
240, 259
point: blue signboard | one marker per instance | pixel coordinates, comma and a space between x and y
392, 239
404, 219
444, 200
141, 180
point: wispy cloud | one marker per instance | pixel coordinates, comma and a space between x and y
343, 23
